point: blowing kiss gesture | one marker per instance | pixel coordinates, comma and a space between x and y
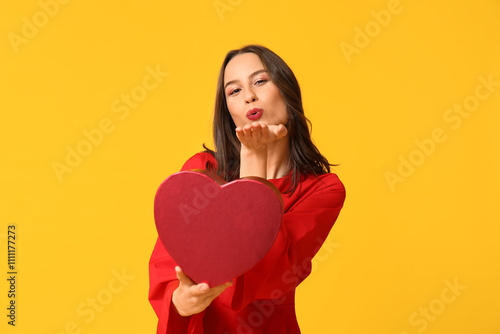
255, 139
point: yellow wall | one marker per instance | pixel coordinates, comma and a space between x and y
383, 82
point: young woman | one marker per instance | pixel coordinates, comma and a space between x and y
259, 130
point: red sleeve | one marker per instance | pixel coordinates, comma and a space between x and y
163, 281
304, 228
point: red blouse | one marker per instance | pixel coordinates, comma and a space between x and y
262, 299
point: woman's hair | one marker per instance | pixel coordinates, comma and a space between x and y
305, 158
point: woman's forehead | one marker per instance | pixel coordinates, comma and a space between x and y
241, 66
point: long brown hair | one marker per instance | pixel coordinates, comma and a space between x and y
305, 157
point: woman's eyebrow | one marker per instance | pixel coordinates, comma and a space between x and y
251, 75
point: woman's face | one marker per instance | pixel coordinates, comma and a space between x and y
251, 96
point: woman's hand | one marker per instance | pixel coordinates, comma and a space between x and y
257, 136
255, 139
191, 298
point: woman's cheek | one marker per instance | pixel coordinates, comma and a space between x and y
236, 119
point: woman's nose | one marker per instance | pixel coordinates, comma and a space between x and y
250, 96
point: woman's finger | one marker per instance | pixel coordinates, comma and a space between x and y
278, 130
247, 131
282, 131
265, 132
239, 133
201, 289
256, 131
255, 125
217, 290
182, 277
220, 288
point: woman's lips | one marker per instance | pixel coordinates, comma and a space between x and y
254, 114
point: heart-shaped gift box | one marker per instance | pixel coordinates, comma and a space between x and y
213, 229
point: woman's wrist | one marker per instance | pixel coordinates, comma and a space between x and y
253, 162
175, 305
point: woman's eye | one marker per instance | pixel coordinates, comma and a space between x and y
234, 91
258, 82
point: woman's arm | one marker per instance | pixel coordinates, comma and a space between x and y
305, 226
162, 284
178, 302
255, 139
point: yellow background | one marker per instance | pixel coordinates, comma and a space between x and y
392, 249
